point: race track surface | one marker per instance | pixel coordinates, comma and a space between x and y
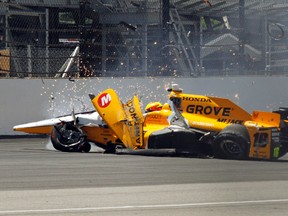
36, 180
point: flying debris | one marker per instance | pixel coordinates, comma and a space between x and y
208, 2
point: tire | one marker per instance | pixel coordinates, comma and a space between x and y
110, 148
69, 138
86, 147
232, 143
284, 139
206, 144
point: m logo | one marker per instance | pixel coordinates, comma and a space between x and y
104, 100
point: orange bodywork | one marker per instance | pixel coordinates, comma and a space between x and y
101, 135
209, 113
213, 114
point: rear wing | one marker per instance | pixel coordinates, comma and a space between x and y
268, 118
135, 121
124, 119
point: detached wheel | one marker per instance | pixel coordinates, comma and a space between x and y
232, 143
69, 138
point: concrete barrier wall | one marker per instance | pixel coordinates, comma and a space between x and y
28, 100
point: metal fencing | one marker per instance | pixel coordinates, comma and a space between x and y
113, 38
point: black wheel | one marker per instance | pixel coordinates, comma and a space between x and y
283, 139
206, 144
86, 147
69, 138
110, 148
232, 143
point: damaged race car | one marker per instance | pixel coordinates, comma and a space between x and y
197, 124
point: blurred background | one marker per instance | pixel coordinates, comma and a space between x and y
143, 38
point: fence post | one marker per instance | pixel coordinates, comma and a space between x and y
47, 41
241, 36
29, 57
82, 42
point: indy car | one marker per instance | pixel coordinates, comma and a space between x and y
198, 124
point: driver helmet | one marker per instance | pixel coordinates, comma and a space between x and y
153, 106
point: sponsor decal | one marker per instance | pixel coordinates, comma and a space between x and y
195, 99
275, 135
208, 110
202, 124
154, 116
104, 100
230, 121
131, 111
276, 151
255, 114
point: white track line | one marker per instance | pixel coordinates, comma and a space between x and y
141, 207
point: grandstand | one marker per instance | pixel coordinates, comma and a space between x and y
133, 38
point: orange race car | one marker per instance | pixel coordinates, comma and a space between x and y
190, 123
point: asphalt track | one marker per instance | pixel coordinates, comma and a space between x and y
37, 181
